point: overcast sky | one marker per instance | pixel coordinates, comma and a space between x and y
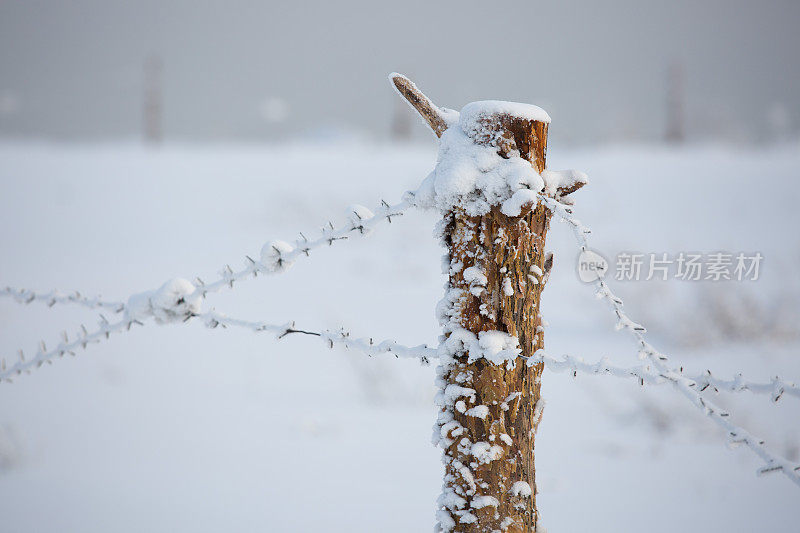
251, 70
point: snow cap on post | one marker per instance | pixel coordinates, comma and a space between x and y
508, 126
492, 153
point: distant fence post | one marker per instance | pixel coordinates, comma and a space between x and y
152, 106
490, 479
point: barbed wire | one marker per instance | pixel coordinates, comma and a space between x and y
212, 320
51, 298
688, 387
703, 381
643, 373
65, 346
575, 365
278, 256
776, 387
339, 337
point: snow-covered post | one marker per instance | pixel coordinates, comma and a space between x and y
491, 167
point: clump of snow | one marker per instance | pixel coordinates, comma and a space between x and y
468, 518
176, 300
464, 446
555, 179
479, 502
513, 396
508, 288
522, 197
506, 523
537, 357
474, 176
497, 347
472, 113
521, 489
274, 255
485, 452
470, 173
446, 522
466, 474
453, 392
537, 412
448, 308
451, 500
476, 277
358, 214
479, 411
450, 431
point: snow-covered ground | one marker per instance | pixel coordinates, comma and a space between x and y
182, 428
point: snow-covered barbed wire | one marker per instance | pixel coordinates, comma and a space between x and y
179, 299
331, 338
174, 303
702, 382
688, 387
83, 338
278, 256
51, 298
645, 374
575, 365
776, 388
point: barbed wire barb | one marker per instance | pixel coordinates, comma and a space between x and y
43, 355
342, 337
51, 298
278, 256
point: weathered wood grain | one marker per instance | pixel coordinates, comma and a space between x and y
509, 250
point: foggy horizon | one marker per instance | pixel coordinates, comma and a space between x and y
249, 71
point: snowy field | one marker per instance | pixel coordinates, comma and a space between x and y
182, 428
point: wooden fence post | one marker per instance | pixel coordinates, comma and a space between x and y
489, 482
